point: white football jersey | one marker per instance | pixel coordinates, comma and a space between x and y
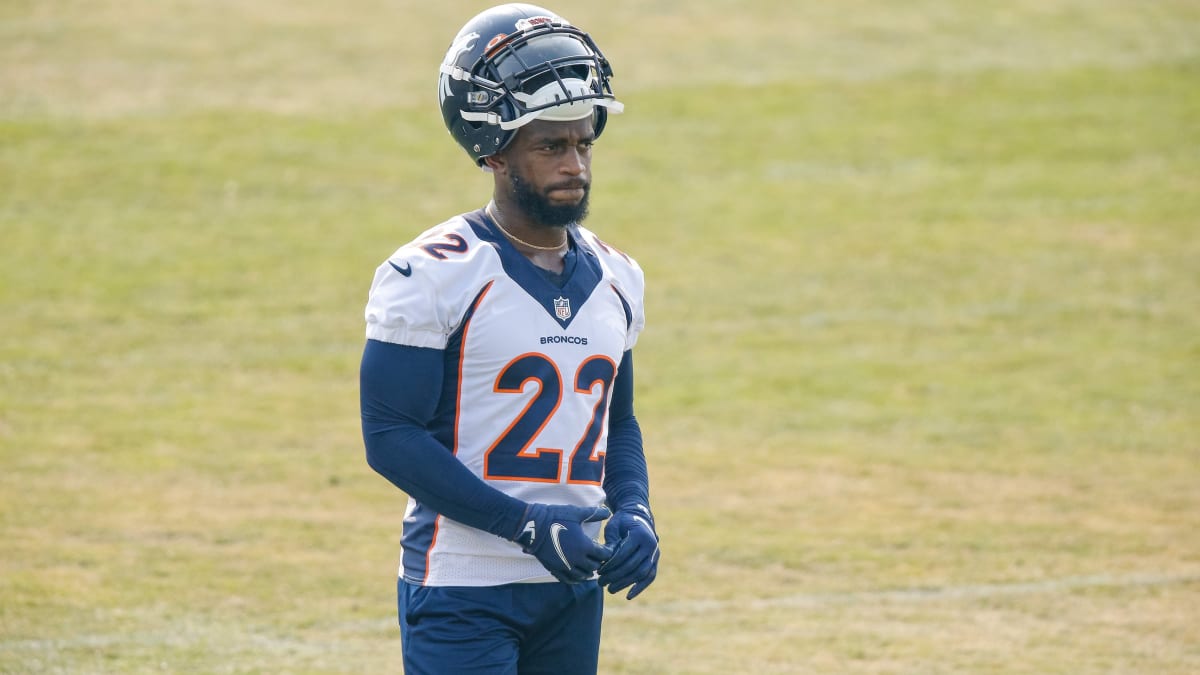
529, 372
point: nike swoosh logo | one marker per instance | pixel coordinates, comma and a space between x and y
555, 530
406, 270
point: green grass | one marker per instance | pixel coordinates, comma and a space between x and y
919, 385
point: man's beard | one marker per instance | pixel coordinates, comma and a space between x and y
540, 210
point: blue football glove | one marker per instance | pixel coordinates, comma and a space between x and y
635, 556
554, 535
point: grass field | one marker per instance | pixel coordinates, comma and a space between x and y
920, 387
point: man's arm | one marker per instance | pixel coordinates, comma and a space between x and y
626, 479
630, 531
399, 387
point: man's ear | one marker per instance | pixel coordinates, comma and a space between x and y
496, 163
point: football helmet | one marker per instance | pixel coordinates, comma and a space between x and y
515, 63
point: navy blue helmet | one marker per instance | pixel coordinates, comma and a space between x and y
515, 63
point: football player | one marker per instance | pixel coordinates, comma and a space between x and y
497, 378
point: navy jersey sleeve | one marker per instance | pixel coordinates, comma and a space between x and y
626, 479
399, 387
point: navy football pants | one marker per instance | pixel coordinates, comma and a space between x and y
525, 629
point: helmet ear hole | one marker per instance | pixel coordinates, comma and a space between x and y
465, 129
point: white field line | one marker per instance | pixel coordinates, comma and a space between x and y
915, 594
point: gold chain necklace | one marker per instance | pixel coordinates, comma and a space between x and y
492, 214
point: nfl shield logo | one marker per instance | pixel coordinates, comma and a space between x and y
562, 308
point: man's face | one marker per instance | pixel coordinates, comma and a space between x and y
549, 170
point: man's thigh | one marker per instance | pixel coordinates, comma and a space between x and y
525, 628
566, 638
445, 630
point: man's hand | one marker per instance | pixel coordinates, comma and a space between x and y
635, 557
554, 535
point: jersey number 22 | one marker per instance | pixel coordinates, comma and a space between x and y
510, 456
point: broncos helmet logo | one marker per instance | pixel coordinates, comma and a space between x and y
461, 45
